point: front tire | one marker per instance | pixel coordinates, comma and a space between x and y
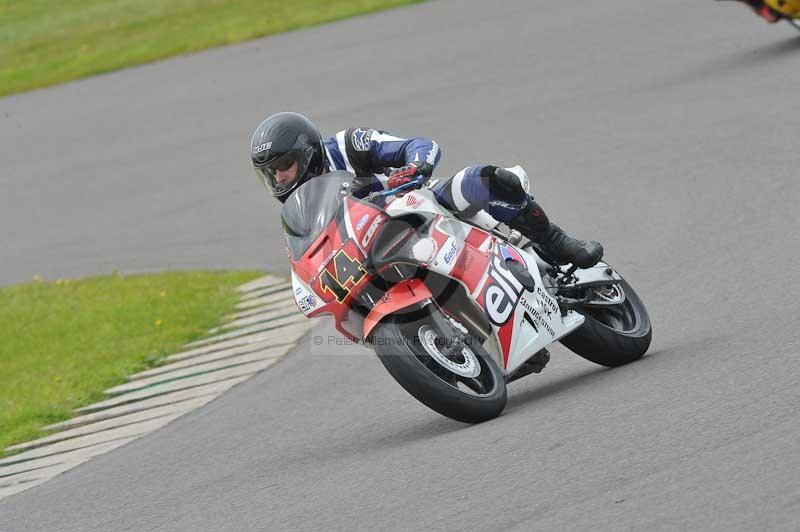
467, 387
615, 335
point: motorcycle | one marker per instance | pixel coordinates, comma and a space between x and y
788, 10
455, 308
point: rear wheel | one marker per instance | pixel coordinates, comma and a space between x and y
441, 367
613, 335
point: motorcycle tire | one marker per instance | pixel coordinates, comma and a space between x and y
615, 335
443, 383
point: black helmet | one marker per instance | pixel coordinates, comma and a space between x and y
284, 139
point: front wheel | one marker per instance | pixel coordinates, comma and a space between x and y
445, 370
613, 335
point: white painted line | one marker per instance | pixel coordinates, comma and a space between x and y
287, 334
258, 327
261, 282
184, 373
265, 300
274, 351
113, 423
266, 291
182, 384
208, 392
83, 442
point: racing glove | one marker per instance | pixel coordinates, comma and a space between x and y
408, 173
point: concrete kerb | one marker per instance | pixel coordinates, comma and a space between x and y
112, 423
299, 329
266, 291
251, 329
274, 313
262, 282
191, 371
277, 297
235, 353
209, 392
88, 440
27, 475
252, 311
178, 385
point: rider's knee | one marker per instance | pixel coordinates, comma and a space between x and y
506, 184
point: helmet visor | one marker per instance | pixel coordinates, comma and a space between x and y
283, 173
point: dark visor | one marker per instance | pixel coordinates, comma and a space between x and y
267, 172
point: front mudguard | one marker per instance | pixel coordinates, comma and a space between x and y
400, 296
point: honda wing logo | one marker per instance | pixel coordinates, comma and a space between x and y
413, 202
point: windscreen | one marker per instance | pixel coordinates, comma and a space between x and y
311, 208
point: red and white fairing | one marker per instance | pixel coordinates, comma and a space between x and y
330, 275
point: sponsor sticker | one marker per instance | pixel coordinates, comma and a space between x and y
262, 147
502, 292
360, 138
451, 253
371, 231
537, 318
307, 303
362, 222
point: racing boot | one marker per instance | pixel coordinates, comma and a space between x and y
533, 223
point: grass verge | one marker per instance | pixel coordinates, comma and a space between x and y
44, 42
62, 343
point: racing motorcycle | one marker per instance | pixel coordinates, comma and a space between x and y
455, 308
788, 10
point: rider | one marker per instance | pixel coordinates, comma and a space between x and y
287, 149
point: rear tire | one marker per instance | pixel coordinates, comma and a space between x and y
405, 356
613, 336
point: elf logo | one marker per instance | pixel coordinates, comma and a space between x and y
502, 292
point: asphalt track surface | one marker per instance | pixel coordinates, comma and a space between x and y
666, 129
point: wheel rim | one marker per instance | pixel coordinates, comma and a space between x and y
463, 363
624, 318
465, 371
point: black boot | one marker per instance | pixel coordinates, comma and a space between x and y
559, 246
564, 249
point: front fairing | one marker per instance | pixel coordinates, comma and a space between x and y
348, 259
328, 235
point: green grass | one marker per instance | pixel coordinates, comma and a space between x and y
62, 343
44, 42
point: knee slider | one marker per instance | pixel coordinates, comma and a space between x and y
503, 185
